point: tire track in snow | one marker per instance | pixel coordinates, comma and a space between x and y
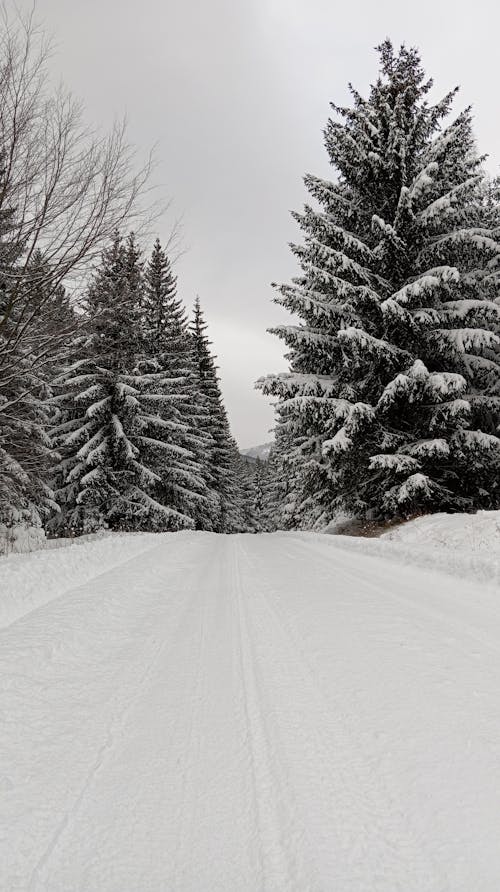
276, 856
222, 629
186, 805
394, 841
262, 750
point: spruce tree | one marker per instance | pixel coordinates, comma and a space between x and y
170, 351
222, 462
249, 485
265, 495
391, 405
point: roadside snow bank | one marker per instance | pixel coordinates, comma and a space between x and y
28, 581
473, 532
463, 545
20, 538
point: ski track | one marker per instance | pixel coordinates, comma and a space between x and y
253, 714
330, 748
267, 795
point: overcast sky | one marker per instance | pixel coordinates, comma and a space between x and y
234, 94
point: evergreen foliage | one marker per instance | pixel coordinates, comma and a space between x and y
170, 350
25, 448
267, 490
391, 405
142, 432
222, 464
114, 411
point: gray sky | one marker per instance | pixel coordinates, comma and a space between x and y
235, 93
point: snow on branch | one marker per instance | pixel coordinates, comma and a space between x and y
361, 340
445, 204
426, 284
428, 448
394, 462
469, 340
341, 442
288, 384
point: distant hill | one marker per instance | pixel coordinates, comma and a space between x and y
261, 451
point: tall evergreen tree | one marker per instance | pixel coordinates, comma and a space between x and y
170, 351
391, 405
223, 458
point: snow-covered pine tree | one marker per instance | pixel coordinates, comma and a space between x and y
391, 405
25, 449
222, 461
265, 494
113, 414
170, 350
247, 472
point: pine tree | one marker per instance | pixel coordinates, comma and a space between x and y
113, 413
391, 405
265, 487
222, 464
170, 350
249, 487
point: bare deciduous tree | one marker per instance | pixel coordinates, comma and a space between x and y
69, 189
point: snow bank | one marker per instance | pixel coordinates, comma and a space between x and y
28, 581
463, 545
473, 532
20, 538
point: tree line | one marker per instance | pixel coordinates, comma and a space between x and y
111, 413
124, 426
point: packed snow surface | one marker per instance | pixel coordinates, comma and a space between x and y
243, 713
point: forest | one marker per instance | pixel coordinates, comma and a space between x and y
111, 408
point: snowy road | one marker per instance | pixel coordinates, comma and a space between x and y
245, 713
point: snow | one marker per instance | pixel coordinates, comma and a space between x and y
249, 712
479, 440
28, 581
411, 487
423, 180
425, 448
339, 443
472, 532
20, 538
466, 340
463, 545
425, 283
363, 341
395, 462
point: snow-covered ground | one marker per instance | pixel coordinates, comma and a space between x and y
28, 581
459, 532
462, 545
245, 713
